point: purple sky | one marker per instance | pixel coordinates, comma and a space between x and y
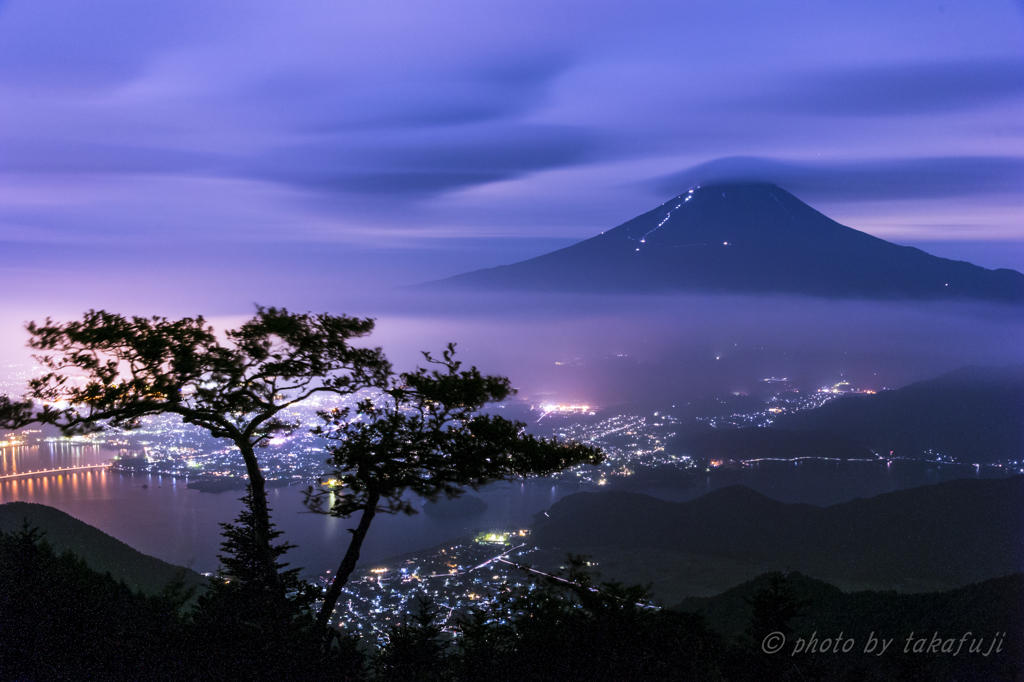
185, 157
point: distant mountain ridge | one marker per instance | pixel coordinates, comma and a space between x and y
745, 238
948, 534
973, 414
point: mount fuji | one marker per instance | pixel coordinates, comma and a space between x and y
744, 238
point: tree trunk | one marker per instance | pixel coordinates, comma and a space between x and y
261, 514
348, 564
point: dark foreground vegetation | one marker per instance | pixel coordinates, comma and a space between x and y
60, 620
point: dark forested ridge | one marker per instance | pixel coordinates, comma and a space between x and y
745, 238
100, 551
987, 617
994, 604
947, 534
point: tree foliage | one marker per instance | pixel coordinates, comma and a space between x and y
240, 562
110, 370
262, 632
425, 433
107, 370
416, 649
568, 627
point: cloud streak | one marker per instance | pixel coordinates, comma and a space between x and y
874, 180
424, 163
898, 89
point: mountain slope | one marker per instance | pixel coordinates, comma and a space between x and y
102, 552
825, 612
829, 609
949, 534
973, 414
745, 238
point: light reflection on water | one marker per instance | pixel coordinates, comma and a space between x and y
58, 454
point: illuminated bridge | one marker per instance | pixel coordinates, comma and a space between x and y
59, 470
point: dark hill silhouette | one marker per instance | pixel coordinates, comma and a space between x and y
951, 534
745, 238
827, 611
100, 551
972, 414
464, 505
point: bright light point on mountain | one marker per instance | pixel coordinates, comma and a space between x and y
644, 240
638, 249
725, 243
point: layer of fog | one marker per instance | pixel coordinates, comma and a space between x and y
603, 350
607, 350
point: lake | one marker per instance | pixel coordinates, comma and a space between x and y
161, 517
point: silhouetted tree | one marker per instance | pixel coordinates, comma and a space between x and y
567, 628
240, 563
259, 632
424, 433
107, 370
773, 608
416, 649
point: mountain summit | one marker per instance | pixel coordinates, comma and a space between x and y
745, 238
